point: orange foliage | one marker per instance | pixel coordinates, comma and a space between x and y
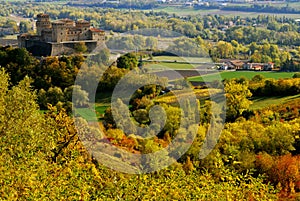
283, 170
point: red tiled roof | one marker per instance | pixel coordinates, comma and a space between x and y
96, 30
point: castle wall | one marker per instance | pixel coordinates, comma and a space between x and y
72, 37
66, 48
38, 48
47, 36
85, 35
98, 36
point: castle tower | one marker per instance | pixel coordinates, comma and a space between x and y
69, 23
83, 25
59, 31
42, 23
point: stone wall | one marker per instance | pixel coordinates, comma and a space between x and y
67, 48
38, 48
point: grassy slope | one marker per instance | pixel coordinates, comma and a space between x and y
262, 102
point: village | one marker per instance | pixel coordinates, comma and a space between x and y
227, 64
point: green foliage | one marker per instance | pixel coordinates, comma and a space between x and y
173, 119
80, 47
24, 27
224, 49
127, 61
188, 47
271, 87
17, 62
296, 75
102, 57
258, 78
110, 78
80, 97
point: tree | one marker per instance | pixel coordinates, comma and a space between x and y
110, 78
225, 49
256, 57
80, 47
40, 152
80, 97
236, 99
127, 61
258, 78
24, 26
102, 57
296, 75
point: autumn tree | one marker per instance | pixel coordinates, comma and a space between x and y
237, 95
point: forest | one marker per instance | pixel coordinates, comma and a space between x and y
48, 139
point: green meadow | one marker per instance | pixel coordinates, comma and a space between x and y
239, 74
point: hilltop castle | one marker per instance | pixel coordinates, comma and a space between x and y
60, 37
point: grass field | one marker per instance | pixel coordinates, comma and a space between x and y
173, 62
262, 102
238, 74
90, 114
10, 37
86, 113
166, 65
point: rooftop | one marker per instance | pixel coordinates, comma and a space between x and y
96, 30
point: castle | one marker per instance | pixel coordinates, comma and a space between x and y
60, 37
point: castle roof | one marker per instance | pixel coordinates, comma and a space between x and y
66, 20
58, 22
96, 30
82, 22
